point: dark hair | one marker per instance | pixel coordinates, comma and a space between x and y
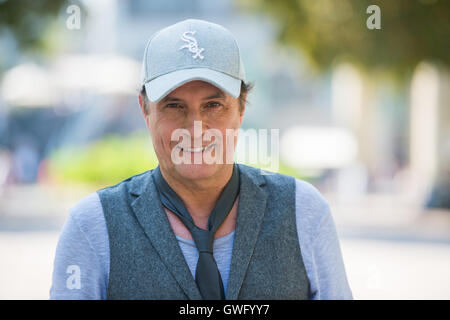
245, 89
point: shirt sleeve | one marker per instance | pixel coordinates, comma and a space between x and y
81, 265
320, 246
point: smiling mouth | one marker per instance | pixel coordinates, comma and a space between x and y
200, 149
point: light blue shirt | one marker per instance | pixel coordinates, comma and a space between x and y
81, 266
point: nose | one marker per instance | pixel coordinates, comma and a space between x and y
196, 127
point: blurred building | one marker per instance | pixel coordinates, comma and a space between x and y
335, 128
94, 82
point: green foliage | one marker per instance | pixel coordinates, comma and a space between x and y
329, 30
27, 20
104, 162
112, 159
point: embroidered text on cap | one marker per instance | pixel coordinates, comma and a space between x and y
192, 45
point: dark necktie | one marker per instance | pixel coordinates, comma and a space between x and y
207, 275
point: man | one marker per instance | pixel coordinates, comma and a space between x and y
199, 226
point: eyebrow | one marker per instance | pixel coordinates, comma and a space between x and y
169, 98
218, 95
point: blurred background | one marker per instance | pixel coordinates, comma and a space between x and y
360, 97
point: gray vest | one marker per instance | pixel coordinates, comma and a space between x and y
146, 261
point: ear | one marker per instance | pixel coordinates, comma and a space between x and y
145, 114
142, 104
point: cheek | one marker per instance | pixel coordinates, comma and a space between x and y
231, 118
230, 131
161, 132
235, 121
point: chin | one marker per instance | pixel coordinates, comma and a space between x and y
197, 171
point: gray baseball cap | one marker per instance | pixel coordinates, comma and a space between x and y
192, 50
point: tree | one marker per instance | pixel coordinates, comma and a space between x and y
411, 31
26, 19
31, 28
326, 30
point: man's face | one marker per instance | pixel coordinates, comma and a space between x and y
176, 130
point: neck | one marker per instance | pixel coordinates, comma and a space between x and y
199, 196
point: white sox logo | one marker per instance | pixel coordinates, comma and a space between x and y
192, 45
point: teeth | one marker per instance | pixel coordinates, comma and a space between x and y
193, 149
200, 149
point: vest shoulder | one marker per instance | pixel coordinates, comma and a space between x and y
268, 177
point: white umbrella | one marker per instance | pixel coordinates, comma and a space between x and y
318, 148
99, 74
32, 85
28, 85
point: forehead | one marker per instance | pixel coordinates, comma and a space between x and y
196, 89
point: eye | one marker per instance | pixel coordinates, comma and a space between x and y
173, 105
213, 104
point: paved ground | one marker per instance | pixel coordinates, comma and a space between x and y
391, 251
376, 269
26, 266
379, 269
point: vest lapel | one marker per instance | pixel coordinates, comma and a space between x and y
152, 218
251, 208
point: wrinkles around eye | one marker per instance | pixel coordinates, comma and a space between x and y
213, 104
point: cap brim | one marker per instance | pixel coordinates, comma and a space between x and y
158, 88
